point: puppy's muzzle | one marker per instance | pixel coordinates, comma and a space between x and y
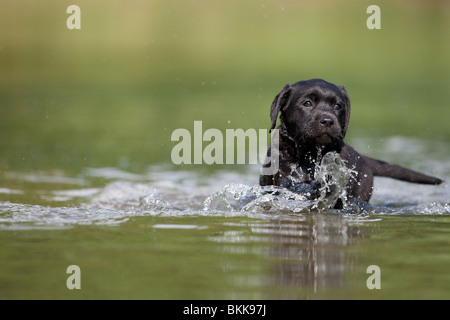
327, 121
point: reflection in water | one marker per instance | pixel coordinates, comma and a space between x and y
305, 250
311, 250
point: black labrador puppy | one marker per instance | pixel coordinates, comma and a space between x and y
314, 119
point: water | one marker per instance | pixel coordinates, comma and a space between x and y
176, 233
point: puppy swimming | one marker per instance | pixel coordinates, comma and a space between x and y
315, 115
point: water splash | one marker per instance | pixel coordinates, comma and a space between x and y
334, 176
111, 196
331, 174
267, 199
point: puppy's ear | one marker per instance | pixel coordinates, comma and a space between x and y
347, 109
278, 104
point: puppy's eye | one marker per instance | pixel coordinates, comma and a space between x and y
337, 107
307, 103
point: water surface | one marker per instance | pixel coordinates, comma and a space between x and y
156, 235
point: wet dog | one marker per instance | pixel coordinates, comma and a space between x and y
314, 119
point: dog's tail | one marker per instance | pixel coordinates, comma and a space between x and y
384, 169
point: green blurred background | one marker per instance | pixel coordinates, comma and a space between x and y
111, 93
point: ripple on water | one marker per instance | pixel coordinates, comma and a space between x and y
162, 191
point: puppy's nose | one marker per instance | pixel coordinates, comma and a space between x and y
326, 121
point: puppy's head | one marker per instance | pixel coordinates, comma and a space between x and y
313, 111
